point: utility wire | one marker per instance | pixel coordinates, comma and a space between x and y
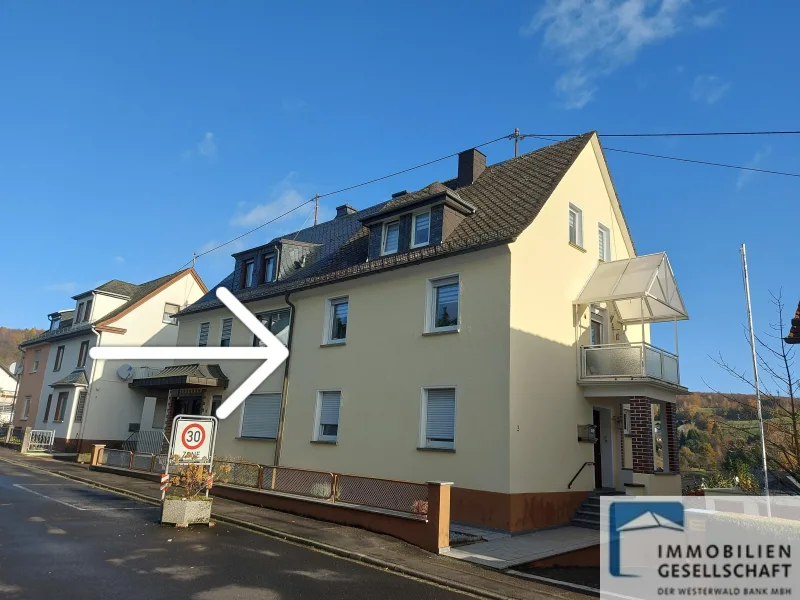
677, 158
667, 134
339, 191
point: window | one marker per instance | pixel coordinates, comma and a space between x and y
79, 315
202, 337
27, 408
421, 230
391, 237
260, 416
626, 421
59, 358
36, 356
443, 304
277, 322
225, 332
439, 418
336, 320
47, 408
604, 242
596, 331
61, 407
249, 273
79, 408
326, 426
216, 402
575, 226
55, 323
169, 311
268, 272
83, 353
88, 313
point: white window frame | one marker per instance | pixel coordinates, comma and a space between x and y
37, 358
222, 327
604, 237
260, 316
414, 242
423, 418
383, 237
265, 261
626, 421
430, 303
79, 313
327, 334
316, 435
250, 278
578, 225
171, 320
88, 310
200, 333
26, 409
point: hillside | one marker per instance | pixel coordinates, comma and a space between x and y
10, 339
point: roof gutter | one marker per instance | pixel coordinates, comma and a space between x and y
285, 390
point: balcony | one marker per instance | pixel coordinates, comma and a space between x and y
628, 362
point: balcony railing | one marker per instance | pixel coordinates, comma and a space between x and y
628, 361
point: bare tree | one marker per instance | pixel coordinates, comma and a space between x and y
778, 399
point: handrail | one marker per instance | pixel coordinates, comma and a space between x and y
583, 466
629, 345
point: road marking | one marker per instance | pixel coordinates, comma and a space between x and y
22, 487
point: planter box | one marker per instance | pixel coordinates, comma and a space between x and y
183, 513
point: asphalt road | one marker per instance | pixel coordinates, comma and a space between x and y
60, 539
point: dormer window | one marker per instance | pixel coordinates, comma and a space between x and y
421, 229
79, 315
88, 313
268, 272
55, 323
249, 273
391, 237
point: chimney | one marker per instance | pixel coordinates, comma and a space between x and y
345, 210
471, 163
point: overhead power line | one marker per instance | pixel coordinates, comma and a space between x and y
665, 134
680, 159
339, 191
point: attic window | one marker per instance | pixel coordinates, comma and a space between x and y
391, 237
268, 269
421, 229
249, 273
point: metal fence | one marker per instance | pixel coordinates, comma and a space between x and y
149, 442
41, 440
406, 497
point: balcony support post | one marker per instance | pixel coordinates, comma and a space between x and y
642, 435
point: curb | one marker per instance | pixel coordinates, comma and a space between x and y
281, 535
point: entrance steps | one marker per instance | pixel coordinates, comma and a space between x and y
588, 514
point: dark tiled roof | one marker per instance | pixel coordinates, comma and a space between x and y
409, 199
115, 286
507, 197
794, 332
77, 377
73, 330
208, 375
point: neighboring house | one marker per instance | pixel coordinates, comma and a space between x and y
88, 401
794, 332
474, 331
8, 393
32, 364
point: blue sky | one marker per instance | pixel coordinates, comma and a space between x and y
135, 133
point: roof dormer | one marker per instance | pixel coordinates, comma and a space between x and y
275, 261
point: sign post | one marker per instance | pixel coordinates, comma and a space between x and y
192, 443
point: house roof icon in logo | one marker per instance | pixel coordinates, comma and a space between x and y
639, 516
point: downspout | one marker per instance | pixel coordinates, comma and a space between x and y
86, 412
285, 391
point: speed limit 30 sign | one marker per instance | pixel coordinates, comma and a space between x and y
193, 439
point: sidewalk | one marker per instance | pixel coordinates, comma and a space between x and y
356, 544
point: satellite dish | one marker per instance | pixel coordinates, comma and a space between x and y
125, 372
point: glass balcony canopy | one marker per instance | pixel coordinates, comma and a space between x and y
642, 289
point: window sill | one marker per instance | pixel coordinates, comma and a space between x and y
427, 449
333, 344
443, 332
328, 442
61, 421
578, 247
24, 419
254, 439
417, 246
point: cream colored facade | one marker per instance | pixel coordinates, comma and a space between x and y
513, 361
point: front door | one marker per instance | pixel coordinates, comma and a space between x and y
189, 405
598, 456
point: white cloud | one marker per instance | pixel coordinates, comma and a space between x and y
708, 88
596, 37
207, 147
67, 287
119, 259
746, 176
708, 20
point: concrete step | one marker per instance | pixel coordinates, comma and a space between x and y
588, 512
586, 523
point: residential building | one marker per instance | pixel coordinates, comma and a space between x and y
86, 401
32, 363
491, 330
794, 331
8, 393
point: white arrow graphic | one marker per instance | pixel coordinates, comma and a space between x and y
274, 353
